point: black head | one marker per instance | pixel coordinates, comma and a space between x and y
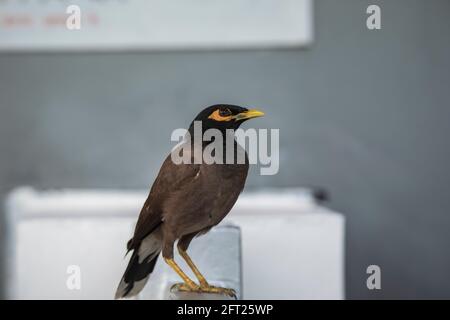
225, 116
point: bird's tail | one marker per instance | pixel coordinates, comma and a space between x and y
141, 265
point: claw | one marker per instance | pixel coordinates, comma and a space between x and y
185, 287
203, 289
212, 289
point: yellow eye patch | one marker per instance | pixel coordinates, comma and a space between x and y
216, 116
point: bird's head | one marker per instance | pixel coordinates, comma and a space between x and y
225, 116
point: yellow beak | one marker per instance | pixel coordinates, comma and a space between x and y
253, 113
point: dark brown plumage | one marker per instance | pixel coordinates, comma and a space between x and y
186, 200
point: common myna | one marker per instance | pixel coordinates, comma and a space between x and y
187, 200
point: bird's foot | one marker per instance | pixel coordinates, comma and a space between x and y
218, 290
184, 287
191, 287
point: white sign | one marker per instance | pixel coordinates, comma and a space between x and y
154, 24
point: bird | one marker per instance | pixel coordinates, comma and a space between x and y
185, 201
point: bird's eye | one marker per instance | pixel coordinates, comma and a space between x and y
225, 112
221, 115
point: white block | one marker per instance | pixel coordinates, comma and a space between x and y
291, 247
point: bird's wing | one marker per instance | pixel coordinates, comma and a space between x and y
170, 179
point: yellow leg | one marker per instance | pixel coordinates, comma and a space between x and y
189, 285
204, 286
200, 277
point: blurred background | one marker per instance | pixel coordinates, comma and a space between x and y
362, 113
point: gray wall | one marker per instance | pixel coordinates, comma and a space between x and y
363, 113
